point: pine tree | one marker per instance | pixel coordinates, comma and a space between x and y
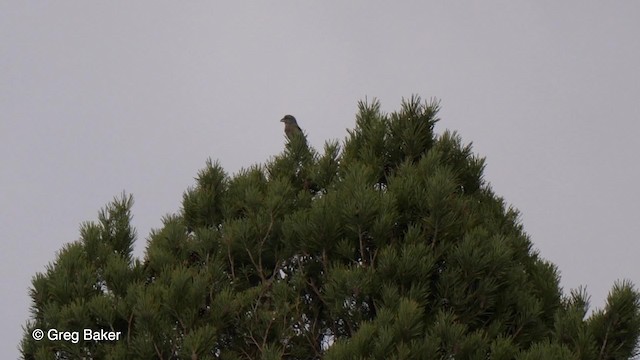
389, 247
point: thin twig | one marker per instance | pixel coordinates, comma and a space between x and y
604, 343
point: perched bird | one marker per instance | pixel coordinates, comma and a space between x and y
291, 127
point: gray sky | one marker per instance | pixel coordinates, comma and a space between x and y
101, 97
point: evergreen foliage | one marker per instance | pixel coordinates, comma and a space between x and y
391, 246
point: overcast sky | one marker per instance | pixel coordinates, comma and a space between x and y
101, 97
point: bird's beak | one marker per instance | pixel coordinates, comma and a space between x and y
282, 120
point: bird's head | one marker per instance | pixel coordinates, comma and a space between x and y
289, 119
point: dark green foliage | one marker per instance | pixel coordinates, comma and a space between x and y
393, 248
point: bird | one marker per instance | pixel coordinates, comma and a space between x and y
291, 127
